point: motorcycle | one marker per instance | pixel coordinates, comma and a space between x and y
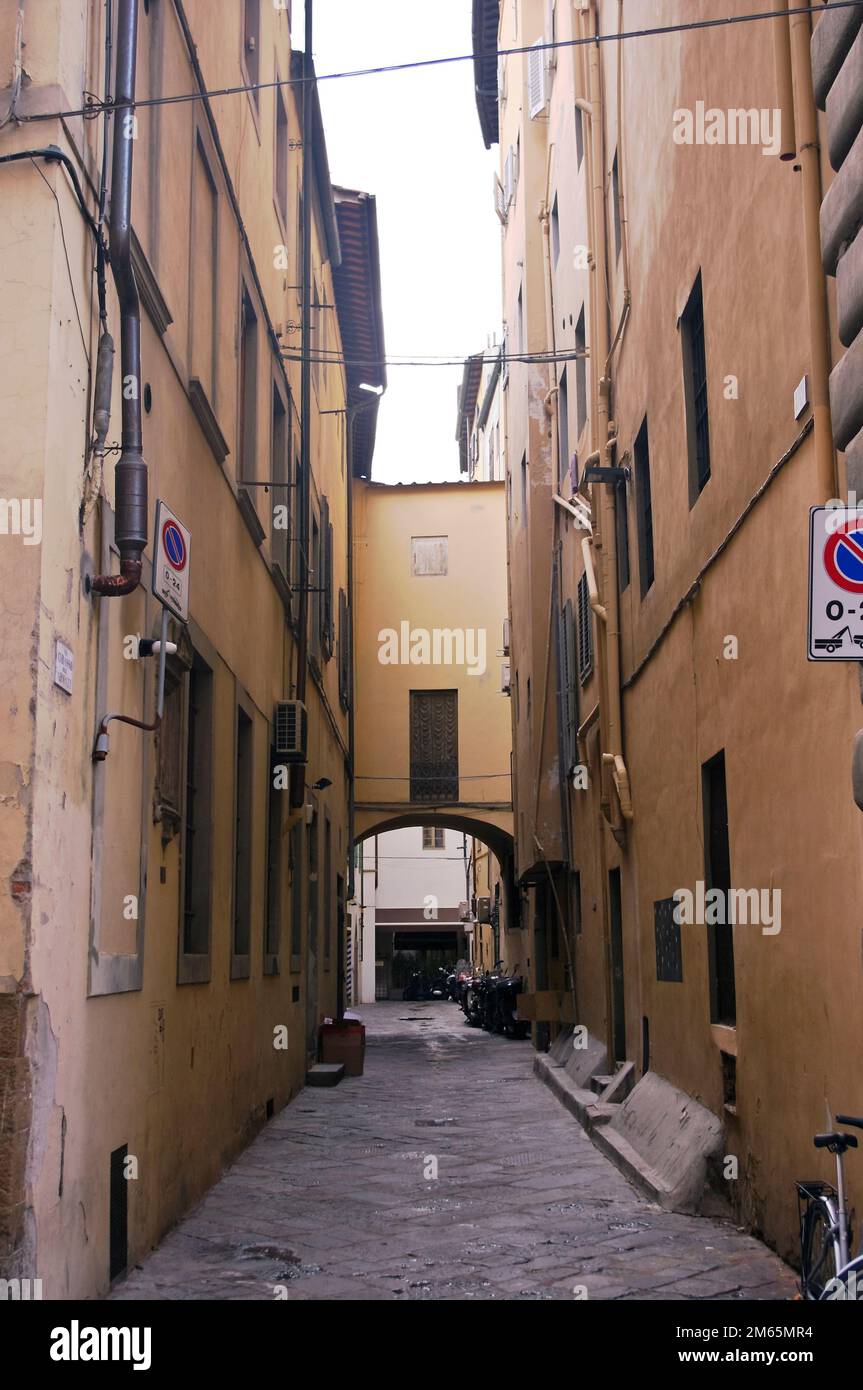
437, 986
416, 987
506, 990
473, 989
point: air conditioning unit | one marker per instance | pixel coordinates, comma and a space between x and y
505, 647
483, 910
505, 678
464, 912
291, 731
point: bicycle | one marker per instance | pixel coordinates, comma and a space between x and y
827, 1273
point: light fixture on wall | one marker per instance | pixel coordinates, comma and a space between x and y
321, 784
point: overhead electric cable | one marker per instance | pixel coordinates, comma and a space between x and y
95, 108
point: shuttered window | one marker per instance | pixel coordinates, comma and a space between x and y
568, 686
585, 633
434, 745
695, 390
644, 505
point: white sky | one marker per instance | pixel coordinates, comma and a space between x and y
413, 139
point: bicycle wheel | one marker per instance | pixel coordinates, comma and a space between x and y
819, 1248
847, 1285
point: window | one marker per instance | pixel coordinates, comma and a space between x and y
280, 471
563, 428
524, 489
313, 900
328, 892
170, 766
576, 902
295, 559
326, 582
315, 336
248, 423
434, 745
580, 380
296, 867
585, 631
621, 522
197, 822
695, 391
644, 507
344, 651
281, 157
717, 874
429, 555
204, 275
579, 135
615, 205
519, 325
555, 233
433, 837
252, 44
243, 773
273, 923
314, 582
301, 260
568, 693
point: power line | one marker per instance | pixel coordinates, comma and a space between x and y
95, 108
535, 358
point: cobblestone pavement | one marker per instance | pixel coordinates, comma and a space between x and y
331, 1200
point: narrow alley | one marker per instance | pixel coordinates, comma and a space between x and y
331, 1201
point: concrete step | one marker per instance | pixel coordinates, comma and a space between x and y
598, 1084
325, 1074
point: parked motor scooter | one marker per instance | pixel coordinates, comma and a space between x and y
473, 989
506, 991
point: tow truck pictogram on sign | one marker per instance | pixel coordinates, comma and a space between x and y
835, 584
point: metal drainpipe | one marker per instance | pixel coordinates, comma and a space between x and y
298, 771
352, 413
809, 163
131, 511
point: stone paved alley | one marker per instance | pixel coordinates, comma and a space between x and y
331, 1202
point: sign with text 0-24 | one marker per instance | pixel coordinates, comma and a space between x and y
171, 550
835, 584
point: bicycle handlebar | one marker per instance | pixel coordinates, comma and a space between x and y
854, 1120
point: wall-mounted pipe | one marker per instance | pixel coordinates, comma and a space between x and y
621, 199
809, 163
784, 82
130, 502
298, 771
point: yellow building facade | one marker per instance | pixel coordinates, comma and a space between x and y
668, 730
172, 919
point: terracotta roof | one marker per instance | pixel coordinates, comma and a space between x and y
357, 285
486, 18
467, 398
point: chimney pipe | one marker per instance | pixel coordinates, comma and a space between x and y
130, 530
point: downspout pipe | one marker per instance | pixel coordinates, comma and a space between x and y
131, 506
298, 771
809, 163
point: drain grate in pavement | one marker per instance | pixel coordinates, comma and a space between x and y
520, 1160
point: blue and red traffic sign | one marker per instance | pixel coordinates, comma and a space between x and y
843, 556
174, 545
171, 562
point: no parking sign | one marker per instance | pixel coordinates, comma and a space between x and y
835, 584
171, 562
